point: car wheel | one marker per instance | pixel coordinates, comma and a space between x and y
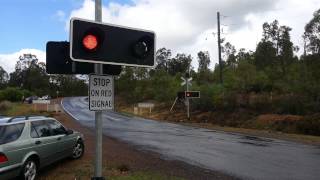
78, 150
29, 171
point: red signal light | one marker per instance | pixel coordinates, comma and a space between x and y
90, 42
188, 94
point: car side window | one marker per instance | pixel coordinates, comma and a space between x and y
56, 127
41, 128
10, 133
33, 132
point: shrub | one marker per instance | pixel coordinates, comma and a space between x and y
14, 94
26, 93
4, 105
289, 104
309, 125
214, 97
260, 103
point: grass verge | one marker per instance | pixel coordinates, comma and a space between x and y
19, 109
300, 138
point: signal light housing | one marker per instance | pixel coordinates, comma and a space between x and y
58, 62
188, 94
192, 94
117, 45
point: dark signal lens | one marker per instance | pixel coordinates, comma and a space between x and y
142, 48
90, 42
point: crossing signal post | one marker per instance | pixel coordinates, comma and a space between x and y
97, 42
186, 95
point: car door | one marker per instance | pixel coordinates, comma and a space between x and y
45, 143
66, 142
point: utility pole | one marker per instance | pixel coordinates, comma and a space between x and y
98, 114
188, 100
219, 48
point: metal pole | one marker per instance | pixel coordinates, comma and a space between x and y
188, 102
98, 114
219, 48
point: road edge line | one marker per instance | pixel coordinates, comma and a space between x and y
67, 110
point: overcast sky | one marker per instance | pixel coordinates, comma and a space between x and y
184, 26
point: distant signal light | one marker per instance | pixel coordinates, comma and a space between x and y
192, 94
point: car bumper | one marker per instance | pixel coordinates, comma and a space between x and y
9, 172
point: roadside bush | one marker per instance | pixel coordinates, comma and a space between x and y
260, 102
14, 94
214, 97
26, 93
206, 101
230, 103
11, 94
4, 105
286, 126
165, 87
289, 104
309, 125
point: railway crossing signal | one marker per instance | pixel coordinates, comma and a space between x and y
97, 42
188, 94
58, 61
192, 94
93, 43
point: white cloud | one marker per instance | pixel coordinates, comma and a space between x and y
8, 61
187, 25
60, 15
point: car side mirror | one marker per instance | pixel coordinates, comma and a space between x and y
69, 131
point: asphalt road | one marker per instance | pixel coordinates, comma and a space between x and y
246, 157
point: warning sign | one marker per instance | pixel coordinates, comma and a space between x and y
101, 92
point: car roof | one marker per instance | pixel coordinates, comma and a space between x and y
19, 119
4, 120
